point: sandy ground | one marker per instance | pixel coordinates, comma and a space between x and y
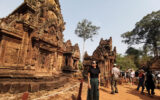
126, 92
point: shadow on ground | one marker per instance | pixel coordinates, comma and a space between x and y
104, 90
144, 96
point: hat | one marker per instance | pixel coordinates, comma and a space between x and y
115, 64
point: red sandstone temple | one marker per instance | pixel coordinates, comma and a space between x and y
31, 40
32, 46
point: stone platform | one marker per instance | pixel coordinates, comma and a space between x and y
32, 84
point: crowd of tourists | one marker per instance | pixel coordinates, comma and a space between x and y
150, 80
143, 79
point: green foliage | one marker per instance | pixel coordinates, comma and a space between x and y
146, 31
80, 67
86, 30
125, 62
139, 57
143, 60
135, 54
133, 51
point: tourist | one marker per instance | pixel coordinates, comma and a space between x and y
136, 75
158, 80
93, 82
127, 76
150, 83
132, 76
141, 80
115, 72
123, 76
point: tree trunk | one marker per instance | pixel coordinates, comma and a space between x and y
155, 49
83, 51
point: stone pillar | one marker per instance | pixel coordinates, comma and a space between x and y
76, 64
2, 50
52, 62
29, 51
71, 62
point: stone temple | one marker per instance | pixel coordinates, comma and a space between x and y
105, 57
32, 48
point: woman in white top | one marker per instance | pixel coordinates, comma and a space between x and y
132, 76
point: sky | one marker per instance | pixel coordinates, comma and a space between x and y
114, 17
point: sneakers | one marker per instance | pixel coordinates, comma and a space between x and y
116, 91
153, 93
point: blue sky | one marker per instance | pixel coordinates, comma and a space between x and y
113, 16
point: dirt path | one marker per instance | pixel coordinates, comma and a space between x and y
126, 92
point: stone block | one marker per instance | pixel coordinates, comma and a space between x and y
19, 88
6, 87
42, 86
34, 88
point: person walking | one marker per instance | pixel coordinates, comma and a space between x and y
132, 76
150, 83
158, 79
93, 82
141, 81
115, 72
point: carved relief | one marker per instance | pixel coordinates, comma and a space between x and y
33, 38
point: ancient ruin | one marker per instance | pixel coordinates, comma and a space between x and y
105, 57
32, 47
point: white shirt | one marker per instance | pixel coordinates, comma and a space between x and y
132, 74
115, 72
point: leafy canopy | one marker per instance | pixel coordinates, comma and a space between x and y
125, 62
146, 31
86, 30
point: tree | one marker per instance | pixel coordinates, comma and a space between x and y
135, 54
86, 30
125, 62
146, 31
143, 60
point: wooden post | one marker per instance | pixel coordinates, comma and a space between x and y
80, 90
